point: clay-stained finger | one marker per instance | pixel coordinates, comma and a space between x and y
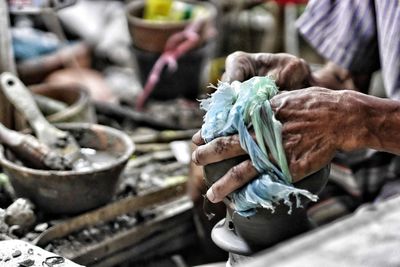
235, 178
218, 149
197, 139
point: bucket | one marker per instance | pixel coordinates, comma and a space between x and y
151, 36
187, 81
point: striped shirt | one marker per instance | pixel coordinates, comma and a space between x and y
362, 36
359, 35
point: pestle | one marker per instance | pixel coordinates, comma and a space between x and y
62, 142
31, 152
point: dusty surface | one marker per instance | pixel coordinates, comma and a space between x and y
153, 166
22, 254
91, 235
141, 175
369, 238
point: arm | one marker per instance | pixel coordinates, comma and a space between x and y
291, 72
307, 145
317, 122
380, 122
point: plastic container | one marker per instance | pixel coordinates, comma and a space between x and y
157, 9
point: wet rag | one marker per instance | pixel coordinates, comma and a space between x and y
233, 109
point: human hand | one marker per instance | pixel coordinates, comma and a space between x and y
289, 72
316, 122
217, 150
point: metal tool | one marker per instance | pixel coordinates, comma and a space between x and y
22, 99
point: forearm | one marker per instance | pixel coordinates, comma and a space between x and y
378, 122
335, 77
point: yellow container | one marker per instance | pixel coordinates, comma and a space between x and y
157, 9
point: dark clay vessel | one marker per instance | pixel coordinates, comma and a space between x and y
69, 192
246, 235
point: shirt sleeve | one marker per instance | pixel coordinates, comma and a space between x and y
343, 31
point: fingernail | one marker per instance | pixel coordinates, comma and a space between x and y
194, 158
210, 195
196, 138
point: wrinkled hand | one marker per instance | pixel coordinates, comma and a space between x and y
217, 150
289, 72
316, 122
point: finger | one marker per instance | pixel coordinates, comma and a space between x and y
235, 178
238, 66
226, 77
297, 170
197, 139
218, 149
277, 100
230, 75
308, 165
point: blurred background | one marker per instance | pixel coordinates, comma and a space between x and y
140, 66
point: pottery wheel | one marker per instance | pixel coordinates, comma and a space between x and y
227, 239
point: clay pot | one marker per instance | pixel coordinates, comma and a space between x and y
264, 229
151, 36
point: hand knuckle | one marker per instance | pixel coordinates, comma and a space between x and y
303, 62
196, 138
297, 62
218, 190
236, 55
219, 145
237, 174
223, 144
233, 141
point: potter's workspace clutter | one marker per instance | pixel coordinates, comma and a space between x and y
149, 133
94, 167
271, 201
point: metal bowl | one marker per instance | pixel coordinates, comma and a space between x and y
74, 191
79, 109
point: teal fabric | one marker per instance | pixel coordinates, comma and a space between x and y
236, 107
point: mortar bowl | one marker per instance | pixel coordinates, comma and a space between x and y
248, 235
70, 192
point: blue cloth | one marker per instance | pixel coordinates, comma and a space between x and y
30, 43
232, 109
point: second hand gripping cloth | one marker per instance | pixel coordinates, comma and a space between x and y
234, 109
